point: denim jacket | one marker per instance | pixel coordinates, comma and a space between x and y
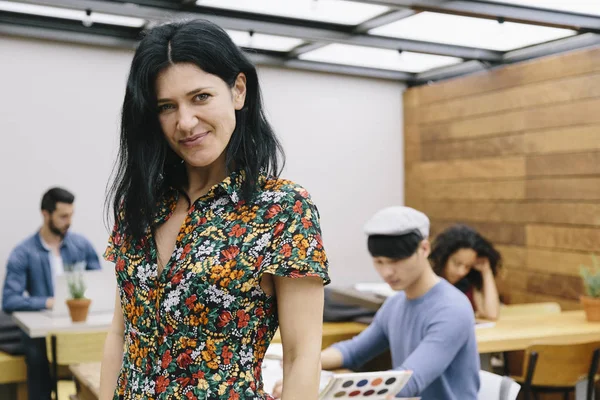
28, 270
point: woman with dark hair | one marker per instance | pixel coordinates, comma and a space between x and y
207, 236
469, 261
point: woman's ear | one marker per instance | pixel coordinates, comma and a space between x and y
239, 91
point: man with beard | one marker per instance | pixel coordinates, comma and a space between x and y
31, 271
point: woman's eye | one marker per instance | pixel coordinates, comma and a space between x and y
201, 97
165, 107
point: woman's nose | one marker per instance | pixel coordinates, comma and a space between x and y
187, 120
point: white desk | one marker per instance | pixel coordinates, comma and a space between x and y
37, 324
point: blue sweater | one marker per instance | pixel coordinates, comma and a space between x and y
433, 336
28, 270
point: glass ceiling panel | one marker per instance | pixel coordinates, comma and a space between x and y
470, 32
265, 42
336, 11
66, 13
378, 58
591, 7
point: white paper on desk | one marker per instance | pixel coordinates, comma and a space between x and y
487, 324
275, 351
379, 289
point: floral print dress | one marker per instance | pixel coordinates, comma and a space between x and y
200, 330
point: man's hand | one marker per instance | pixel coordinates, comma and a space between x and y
277, 389
49, 303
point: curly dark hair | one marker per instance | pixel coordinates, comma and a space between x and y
458, 237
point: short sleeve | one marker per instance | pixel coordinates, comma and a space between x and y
116, 244
296, 247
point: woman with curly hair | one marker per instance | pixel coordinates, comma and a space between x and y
469, 261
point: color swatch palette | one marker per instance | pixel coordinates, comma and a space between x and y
367, 385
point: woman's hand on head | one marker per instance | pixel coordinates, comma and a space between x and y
482, 264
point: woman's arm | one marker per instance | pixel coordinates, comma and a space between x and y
331, 358
487, 301
112, 359
300, 310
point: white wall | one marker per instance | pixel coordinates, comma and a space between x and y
59, 113
343, 141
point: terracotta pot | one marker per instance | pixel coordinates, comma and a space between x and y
78, 309
591, 305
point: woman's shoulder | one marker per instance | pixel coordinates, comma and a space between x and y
284, 190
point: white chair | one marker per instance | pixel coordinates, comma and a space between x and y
496, 387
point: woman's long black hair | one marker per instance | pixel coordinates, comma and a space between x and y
458, 237
146, 165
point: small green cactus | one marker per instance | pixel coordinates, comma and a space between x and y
591, 278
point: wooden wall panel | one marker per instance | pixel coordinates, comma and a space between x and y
587, 163
513, 256
555, 67
514, 279
513, 212
563, 213
568, 287
475, 148
571, 139
549, 92
479, 190
498, 233
412, 153
557, 262
515, 153
551, 116
491, 168
565, 238
563, 189
413, 186
412, 145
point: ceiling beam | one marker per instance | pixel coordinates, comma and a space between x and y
286, 27
384, 19
269, 60
554, 47
94, 39
529, 53
375, 22
305, 48
494, 10
448, 72
59, 35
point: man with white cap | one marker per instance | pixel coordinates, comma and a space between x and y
428, 326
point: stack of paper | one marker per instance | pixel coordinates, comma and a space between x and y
379, 289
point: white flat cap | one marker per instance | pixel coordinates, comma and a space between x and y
398, 220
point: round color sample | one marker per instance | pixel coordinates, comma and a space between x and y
347, 384
382, 391
377, 382
339, 394
362, 383
390, 381
355, 393
368, 393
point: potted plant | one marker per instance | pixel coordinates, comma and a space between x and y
78, 304
591, 283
